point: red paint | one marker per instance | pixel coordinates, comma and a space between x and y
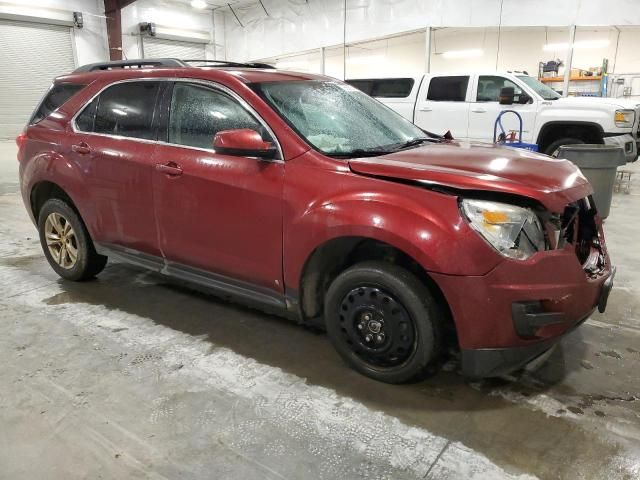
260, 220
241, 139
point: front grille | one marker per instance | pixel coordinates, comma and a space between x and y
577, 227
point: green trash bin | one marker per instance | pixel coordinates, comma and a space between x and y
598, 163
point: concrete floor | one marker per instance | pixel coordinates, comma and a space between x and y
130, 376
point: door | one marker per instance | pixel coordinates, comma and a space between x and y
31, 56
221, 214
486, 107
114, 143
444, 107
154, 47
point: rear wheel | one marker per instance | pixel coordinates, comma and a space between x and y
383, 321
66, 242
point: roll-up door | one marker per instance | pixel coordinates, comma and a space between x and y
31, 56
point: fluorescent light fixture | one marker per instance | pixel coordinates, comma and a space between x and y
581, 45
198, 4
476, 52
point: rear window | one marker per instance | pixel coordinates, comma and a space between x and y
384, 87
448, 89
56, 96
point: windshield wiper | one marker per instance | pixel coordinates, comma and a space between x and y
362, 152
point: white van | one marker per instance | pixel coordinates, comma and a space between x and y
467, 104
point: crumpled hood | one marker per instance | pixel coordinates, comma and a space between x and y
465, 166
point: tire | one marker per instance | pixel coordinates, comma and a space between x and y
87, 263
552, 149
368, 292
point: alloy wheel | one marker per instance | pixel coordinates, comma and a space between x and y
61, 240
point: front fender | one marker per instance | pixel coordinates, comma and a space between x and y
423, 224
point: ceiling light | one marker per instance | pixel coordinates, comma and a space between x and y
582, 45
463, 53
198, 4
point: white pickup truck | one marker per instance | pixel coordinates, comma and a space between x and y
468, 104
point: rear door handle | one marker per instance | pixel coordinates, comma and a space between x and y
478, 110
81, 148
426, 109
172, 169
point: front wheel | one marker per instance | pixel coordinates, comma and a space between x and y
66, 242
383, 321
554, 148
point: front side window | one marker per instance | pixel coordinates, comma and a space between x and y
198, 113
448, 89
489, 87
338, 119
57, 95
125, 110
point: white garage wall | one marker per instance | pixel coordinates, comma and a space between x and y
297, 25
90, 42
178, 20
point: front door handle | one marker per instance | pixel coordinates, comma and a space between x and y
426, 109
172, 169
81, 148
478, 110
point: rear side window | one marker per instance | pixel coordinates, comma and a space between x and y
448, 89
364, 85
198, 113
57, 95
385, 87
125, 110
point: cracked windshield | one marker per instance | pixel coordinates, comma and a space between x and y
340, 120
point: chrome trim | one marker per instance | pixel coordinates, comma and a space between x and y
207, 83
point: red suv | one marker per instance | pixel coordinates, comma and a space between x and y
301, 195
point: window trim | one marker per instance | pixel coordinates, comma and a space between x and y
163, 101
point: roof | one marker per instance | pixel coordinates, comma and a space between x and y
170, 67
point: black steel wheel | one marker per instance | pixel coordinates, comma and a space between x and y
383, 322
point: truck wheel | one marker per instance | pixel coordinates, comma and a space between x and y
553, 148
383, 322
66, 242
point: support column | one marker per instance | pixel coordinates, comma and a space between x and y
427, 65
568, 62
323, 54
112, 9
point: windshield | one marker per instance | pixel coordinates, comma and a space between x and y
338, 119
540, 88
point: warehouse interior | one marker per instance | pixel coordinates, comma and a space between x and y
140, 374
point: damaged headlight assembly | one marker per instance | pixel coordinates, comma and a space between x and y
515, 232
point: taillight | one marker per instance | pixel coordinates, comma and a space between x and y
20, 141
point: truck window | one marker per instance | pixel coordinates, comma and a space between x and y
384, 87
489, 87
448, 89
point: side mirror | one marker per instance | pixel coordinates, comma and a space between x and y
243, 142
506, 95
524, 98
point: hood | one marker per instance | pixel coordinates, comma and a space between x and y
595, 102
483, 167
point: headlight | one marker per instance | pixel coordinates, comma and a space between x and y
625, 118
513, 231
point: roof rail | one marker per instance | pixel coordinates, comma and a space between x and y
140, 63
225, 63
